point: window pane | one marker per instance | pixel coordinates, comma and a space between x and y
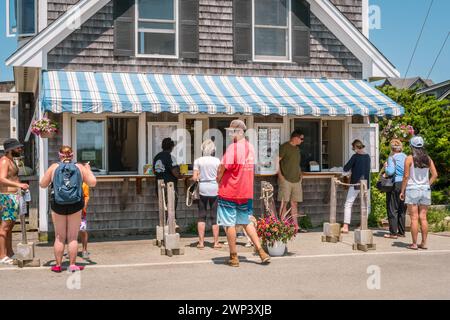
157, 43
91, 143
271, 12
12, 27
268, 146
159, 132
123, 144
310, 148
270, 42
156, 9
26, 17
156, 25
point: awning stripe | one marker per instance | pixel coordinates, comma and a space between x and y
97, 92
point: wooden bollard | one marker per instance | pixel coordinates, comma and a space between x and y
332, 230
161, 227
363, 237
172, 244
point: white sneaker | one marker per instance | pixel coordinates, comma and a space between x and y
248, 244
7, 261
85, 255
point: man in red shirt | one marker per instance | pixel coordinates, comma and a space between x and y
235, 177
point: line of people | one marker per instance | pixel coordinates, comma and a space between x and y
226, 191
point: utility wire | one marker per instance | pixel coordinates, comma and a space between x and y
418, 40
439, 54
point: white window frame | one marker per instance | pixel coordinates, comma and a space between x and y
12, 35
375, 167
150, 126
91, 117
273, 59
137, 30
257, 126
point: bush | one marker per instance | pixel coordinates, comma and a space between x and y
305, 223
430, 118
378, 204
436, 220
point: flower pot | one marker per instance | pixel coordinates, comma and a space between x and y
277, 250
48, 135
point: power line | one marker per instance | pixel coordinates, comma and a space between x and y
418, 40
439, 54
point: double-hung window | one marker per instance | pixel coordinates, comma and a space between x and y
271, 30
21, 18
157, 28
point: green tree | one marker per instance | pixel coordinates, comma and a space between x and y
431, 119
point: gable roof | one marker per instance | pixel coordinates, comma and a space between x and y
434, 88
34, 53
407, 83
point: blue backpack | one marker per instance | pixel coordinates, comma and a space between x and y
67, 184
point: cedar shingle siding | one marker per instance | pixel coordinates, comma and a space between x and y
91, 47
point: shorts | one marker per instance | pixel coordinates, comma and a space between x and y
9, 206
421, 197
230, 214
83, 225
66, 209
288, 191
207, 208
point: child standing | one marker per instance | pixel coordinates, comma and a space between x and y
83, 225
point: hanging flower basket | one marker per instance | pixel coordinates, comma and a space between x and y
45, 128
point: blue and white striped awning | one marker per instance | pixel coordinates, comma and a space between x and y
79, 92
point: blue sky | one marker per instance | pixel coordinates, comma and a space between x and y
401, 21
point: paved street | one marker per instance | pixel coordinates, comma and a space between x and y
134, 269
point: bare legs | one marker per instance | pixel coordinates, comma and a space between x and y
418, 213
201, 226
66, 229
84, 240
6, 239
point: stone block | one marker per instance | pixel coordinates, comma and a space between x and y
29, 263
331, 229
25, 251
363, 237
172, 241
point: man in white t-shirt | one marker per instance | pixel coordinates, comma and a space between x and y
205, 172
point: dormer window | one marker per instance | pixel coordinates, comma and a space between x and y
21, 18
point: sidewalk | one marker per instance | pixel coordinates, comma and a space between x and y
140, 250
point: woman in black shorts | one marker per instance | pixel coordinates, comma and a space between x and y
67, 218
205, 172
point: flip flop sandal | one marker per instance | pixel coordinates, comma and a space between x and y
390, 236
422, 247
218, 246
200, 247
412, 247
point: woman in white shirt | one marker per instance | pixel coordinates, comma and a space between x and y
205, 172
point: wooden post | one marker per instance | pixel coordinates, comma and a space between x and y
171, 207
364, 206
333, 201
161, 203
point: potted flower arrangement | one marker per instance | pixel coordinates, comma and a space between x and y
45, 128
275, 232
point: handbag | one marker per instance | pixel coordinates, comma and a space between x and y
386, 184
192, 193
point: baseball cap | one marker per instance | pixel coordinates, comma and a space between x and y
238, 124
417, 142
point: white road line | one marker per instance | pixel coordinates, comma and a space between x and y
156, 264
